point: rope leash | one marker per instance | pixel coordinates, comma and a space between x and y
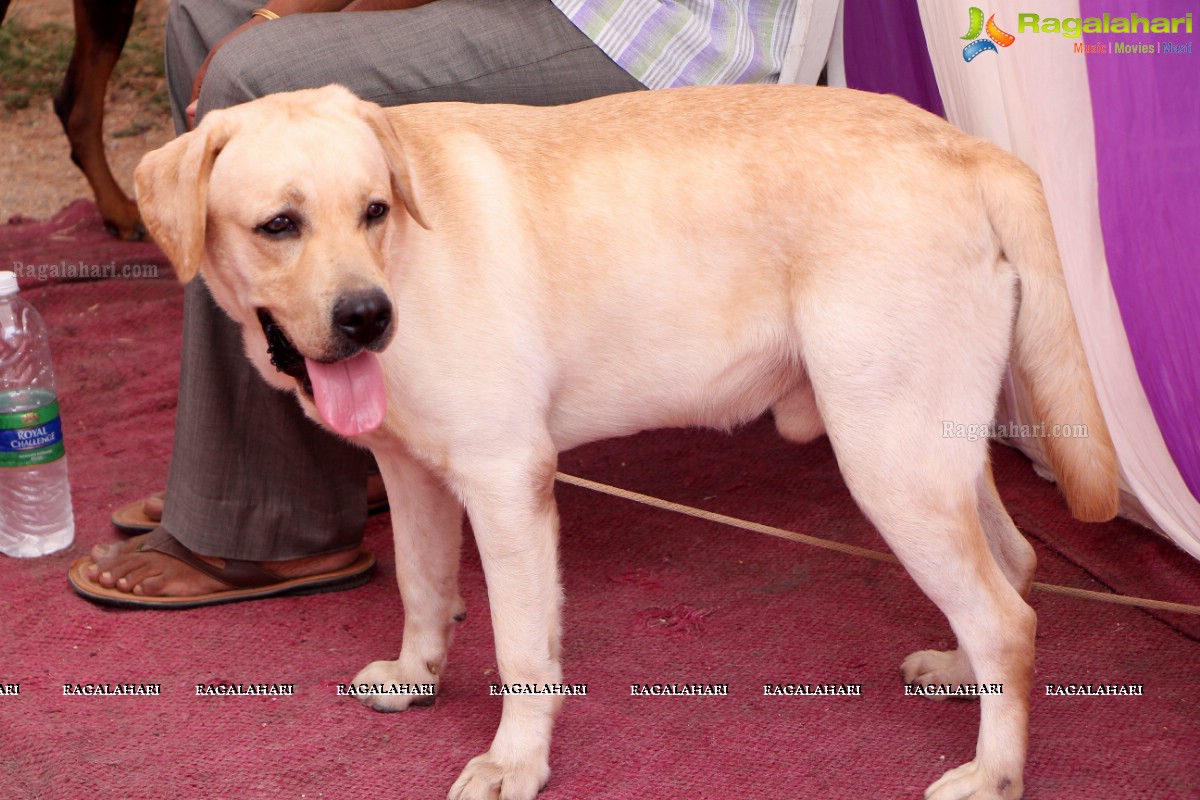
849, 549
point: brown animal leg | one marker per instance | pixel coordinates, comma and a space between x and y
100, 30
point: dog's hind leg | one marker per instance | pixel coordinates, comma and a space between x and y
889, 369
934, 528
427, 529
1018, 562
101, 27
1014, 554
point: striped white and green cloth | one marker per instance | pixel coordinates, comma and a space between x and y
667, 43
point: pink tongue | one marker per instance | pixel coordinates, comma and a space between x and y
349, 394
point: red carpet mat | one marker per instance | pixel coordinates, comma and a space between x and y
651, 597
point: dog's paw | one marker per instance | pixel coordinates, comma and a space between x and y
935, 668
973, 781
485, 778
388, 686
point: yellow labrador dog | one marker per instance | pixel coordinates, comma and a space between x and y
470, 289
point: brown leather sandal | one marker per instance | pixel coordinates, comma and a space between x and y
246, 579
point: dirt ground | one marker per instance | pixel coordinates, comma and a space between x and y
37, 178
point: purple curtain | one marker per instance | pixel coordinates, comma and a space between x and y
885, 51
1146, 109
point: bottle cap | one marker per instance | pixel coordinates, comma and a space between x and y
8, 283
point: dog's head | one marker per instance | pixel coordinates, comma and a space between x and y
287, 205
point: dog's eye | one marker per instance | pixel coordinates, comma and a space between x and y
376, 211
279, 225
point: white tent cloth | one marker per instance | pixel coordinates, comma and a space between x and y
1036, 103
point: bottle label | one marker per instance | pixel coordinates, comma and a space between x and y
30, 438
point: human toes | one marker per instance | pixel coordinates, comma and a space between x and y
113, 561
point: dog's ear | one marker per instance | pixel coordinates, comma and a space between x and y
172, 191
401, 179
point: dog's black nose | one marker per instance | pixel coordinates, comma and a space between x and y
364, 317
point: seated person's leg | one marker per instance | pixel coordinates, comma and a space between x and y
500, 51
251, 478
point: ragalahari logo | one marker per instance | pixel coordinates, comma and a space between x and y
995, 35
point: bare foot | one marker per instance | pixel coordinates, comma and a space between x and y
123, 567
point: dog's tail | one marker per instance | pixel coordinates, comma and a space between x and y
1047, 352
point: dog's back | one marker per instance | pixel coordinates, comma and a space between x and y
743, 205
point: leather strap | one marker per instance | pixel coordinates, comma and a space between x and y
235, 573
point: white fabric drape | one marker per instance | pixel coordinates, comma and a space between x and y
1033, 99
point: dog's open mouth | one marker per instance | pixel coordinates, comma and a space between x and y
349, 393
284, 355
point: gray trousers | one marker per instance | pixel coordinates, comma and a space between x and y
251, 477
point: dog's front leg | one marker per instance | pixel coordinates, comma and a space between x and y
515, 522
427, 528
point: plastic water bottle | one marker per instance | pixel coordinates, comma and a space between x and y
35, 498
